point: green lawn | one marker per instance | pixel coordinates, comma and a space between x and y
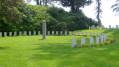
56, 51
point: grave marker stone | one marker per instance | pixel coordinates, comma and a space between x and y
109, 26
74, 33
5, 34
29, 33
34, 32
101, 39
73, 43
61, 32
82, 41
0, 34
20, 33
52, 32
48, 32
10, 34
56, 32
15, 33
117, 27
93, 33
97, 39
86, 33
70, 33
39, 32
78, 33
25, 33
91, 40
65, 33
82, 33
90, 34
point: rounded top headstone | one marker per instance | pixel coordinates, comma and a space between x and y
44, 21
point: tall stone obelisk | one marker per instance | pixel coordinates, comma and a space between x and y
44, 29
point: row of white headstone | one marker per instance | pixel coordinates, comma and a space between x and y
101, 39
18, 34
48, 33
96, 27
110, 27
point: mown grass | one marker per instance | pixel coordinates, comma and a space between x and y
56, 51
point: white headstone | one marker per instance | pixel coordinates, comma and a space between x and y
117, 27
86, 33
20, 33
52, 32
82, 41
56, 32
93, 33
0, 34
82, 33
78, 33
101, 39
38, 32
109, 26
90, 34
25, 33
48, 32
100, 34
10, 34
97, 27
70, 33
15, 33
29, 33
97, 34
44, 29
5, 34
74, 33
34, 32
65, 33
97, 39
61, 32
91, 40
105, 37
73, 43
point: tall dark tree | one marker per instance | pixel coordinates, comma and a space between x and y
98, 11
75, 4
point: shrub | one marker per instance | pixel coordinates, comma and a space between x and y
107, 42
110, 39
102, 44
95, 44
85, 45
23, 34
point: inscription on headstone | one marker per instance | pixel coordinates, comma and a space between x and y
20, 33
5, 34
52, 32
65, 33
34, 32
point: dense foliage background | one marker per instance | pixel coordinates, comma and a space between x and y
18, 16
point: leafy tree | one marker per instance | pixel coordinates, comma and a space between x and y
75, 4
116, 6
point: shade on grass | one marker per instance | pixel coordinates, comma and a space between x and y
56, 51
